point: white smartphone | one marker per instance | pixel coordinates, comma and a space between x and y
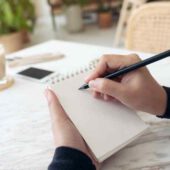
37, 74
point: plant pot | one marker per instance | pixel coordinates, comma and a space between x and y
12, 42
74, 18
105, 19
25, 36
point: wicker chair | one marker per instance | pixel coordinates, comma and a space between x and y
149, 28
124, 16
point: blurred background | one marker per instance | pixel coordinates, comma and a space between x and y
113, 23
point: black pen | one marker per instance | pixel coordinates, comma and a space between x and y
133, 67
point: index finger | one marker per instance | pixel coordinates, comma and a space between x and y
106, 64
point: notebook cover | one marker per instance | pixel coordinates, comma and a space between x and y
105, 126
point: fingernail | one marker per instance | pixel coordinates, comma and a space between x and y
49, 87
86, 79
92, 84
48, 95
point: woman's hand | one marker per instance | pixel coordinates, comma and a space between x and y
137, 89
64, 132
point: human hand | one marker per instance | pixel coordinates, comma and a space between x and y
137, 89
64, 132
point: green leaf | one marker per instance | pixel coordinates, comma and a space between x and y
8, 13
16, 15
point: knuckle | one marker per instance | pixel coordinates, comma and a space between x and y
104, 58
134, 58
103, 85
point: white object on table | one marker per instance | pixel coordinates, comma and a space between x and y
34, 59
25, 128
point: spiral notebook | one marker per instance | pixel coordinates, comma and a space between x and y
105, 126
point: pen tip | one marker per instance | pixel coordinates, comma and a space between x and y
80, 88
86, 86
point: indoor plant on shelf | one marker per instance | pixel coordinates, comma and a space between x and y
16, 20
74, 14
105, 18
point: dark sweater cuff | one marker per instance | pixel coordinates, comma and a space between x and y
167, 111
66, 158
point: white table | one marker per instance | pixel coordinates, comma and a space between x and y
25, 133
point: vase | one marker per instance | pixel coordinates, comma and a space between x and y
74, 18
12, 42
105, 19
25, 36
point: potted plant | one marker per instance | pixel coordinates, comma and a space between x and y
105, 19
74, 14
17, 18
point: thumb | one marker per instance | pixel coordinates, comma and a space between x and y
106, 86
56, 111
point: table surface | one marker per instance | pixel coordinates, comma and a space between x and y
25, 134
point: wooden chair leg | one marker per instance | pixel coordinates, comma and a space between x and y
121, 22
53, 21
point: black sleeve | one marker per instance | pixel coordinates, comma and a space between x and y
66, 158
167, 112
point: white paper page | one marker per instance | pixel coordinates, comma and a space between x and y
105, 126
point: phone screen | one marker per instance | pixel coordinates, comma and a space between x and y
35, 73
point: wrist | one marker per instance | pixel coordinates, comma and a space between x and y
163, 103
166, 113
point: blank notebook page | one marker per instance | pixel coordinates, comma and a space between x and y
105, 126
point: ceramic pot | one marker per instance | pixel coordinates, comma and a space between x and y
25, 36
12, 42
105, 19
74, 18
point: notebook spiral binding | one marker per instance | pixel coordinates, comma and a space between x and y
81, 70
